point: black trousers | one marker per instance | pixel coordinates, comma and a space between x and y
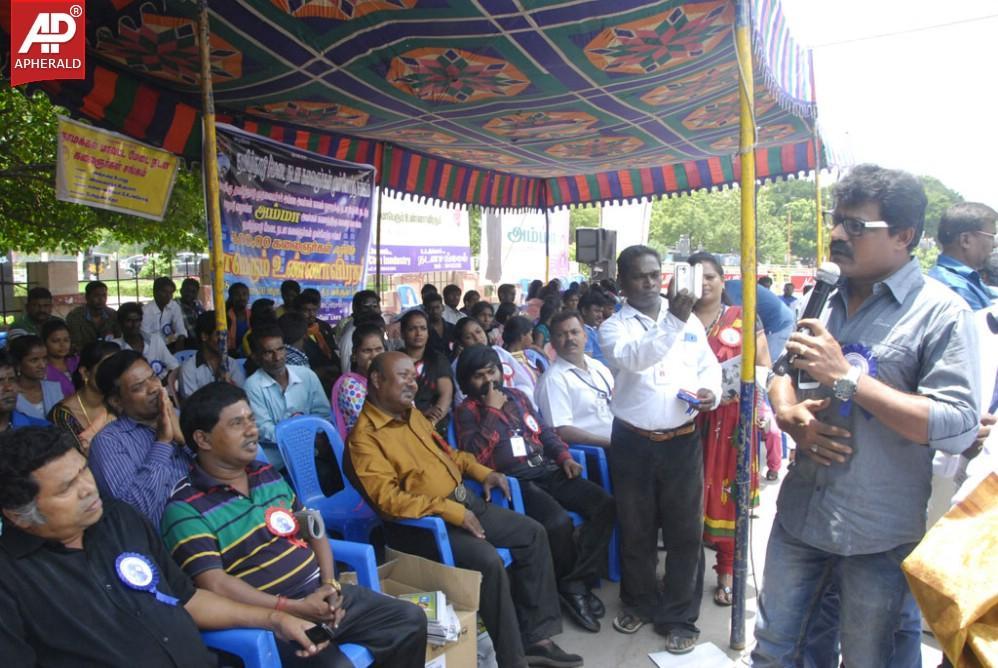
577, 562
393, 631
659, 486
520, 607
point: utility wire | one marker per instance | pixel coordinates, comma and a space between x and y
908, 31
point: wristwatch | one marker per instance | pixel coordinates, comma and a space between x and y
845, 387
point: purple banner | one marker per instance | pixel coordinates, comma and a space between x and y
292, 214
412, 260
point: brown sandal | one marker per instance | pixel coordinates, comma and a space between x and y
722, 595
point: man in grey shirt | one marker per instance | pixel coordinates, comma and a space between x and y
896, 374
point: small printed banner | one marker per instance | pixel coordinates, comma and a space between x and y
422, 237
292, 214
109, 171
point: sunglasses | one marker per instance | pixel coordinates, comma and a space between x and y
854, 227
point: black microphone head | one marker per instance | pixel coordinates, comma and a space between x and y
828, 272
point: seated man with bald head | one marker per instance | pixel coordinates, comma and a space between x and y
405, 470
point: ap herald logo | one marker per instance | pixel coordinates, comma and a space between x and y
48, 40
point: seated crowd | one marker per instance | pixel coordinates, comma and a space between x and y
179, 441
149, 492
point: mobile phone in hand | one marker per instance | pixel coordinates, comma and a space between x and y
686, 277
319, 634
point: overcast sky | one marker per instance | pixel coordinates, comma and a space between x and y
925, 100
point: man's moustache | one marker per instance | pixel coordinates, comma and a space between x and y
840, 248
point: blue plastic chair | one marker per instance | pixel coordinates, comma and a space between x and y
258, 649
184, 355
438, 528
597, 456
407, 297
345, 511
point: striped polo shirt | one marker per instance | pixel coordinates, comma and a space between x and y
208, 524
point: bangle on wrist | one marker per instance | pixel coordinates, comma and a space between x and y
334, 583
282, 603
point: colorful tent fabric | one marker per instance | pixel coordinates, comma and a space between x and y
510, 104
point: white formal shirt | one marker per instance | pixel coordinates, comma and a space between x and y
168, 323
569, 396
156, 353
452, 315
971, 472
195, 373
652, 360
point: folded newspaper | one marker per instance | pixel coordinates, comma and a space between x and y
442, 624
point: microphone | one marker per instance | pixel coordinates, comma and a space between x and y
826, 278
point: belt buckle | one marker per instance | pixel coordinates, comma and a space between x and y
460, 493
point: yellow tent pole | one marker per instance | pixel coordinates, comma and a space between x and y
820, 251
746, 151
819, 254
210, 172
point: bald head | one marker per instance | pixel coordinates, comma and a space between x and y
391, 382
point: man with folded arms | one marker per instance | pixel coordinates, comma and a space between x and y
231, 526
500, 428
406, 470
89, 583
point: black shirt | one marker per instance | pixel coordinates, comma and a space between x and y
67, 607
441, 344
429, 371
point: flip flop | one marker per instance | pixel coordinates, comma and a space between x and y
722, 595
677, 643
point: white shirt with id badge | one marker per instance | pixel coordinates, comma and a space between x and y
569, 396
652, 361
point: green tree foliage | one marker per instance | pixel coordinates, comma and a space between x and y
31, 219
940, 198
475, 230
712, 220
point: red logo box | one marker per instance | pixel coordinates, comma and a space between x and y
48, 40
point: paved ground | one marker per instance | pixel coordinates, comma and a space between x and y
608, 648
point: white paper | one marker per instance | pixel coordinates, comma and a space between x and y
704, 655
519, 446
439, 662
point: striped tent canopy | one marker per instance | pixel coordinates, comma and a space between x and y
500, 103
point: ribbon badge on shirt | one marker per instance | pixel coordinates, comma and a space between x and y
860, 356
168, 330
157, 367
282, 523
730, 337
138, 572
532, 424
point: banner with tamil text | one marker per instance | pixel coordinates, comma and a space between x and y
418, 238
293, 214
110, 171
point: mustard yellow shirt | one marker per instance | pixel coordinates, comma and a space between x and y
405, 469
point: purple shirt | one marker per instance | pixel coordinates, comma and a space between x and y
128, 463
65, 382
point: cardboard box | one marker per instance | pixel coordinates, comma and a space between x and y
406, 574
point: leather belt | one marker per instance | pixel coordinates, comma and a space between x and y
659, 436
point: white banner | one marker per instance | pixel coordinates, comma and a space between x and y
513, 246
421, 237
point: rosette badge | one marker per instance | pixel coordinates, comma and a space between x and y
138, 572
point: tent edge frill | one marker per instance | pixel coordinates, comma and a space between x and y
120, 102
